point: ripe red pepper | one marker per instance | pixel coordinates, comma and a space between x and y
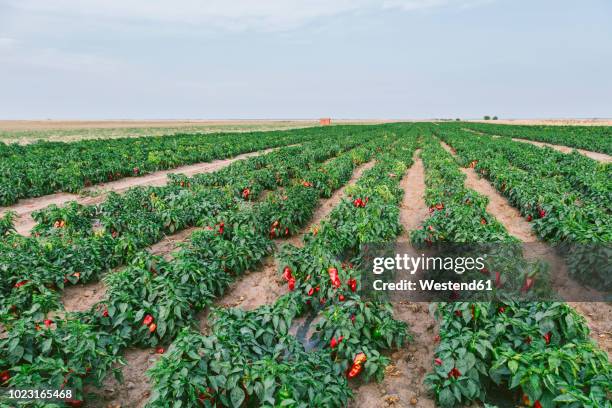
152, 327
458, 313
48, 322
454, 373
353, 319
528, 284
311, 292
542, 213
287, 273
547, 337
5, 376
354, 371
341, 297
526, 400
221, 228
357, 366
74, 403
529, 218
501, 309
148, 319
105, 312
438, 361
352, 284
306, 184
22, 283
333, 342
439, 206
484, 271
498, 280
160, 350
360, 358
333, 276
483, 221
437, 338
291, 284
537, 404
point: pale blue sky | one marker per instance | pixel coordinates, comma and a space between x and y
101, 59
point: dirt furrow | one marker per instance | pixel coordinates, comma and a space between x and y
498, 205
135, 390
403, 385
97, 194
413, 208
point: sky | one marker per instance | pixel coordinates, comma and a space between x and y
264, 59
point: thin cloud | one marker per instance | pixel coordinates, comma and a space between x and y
232, 15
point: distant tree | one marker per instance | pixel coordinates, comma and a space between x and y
457, 119
487, 117
494, 117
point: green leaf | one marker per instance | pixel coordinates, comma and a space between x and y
237, 396
446, 398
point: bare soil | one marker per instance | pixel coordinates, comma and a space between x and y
403, 385
598, 315
28, 131
171, 243
498, 205
135, 390
413, 208
97, 194
80, 298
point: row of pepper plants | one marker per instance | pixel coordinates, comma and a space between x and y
557, 205
251, 358
591, 179
79, 243
42, 168
150, 300
593, 138
535, 354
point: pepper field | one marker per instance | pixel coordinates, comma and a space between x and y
221, 270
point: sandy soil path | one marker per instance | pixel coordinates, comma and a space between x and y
97, 194
403, 385
498, 205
